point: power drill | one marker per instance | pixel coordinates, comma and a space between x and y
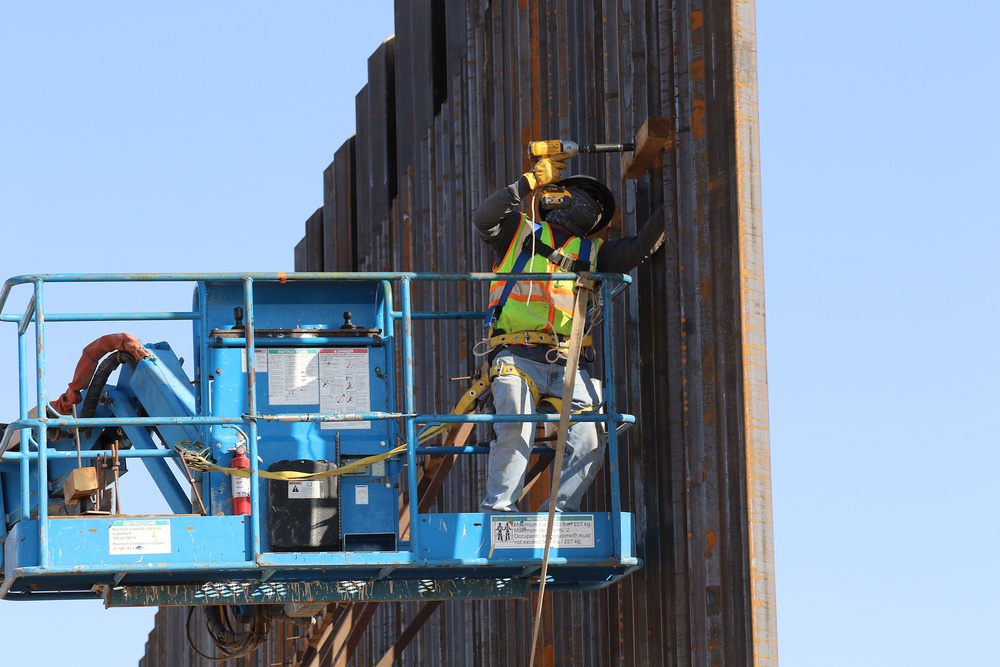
539, 149
555, 196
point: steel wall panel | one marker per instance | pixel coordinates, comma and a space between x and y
695, 471
366, 228
339, 216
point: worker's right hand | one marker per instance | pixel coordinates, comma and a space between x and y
547, 170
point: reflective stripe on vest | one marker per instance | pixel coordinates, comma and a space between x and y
535, 305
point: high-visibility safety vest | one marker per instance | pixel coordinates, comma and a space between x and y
537, 305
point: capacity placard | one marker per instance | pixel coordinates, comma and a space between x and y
139, 536
527, 531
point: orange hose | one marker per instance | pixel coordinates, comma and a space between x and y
85, 368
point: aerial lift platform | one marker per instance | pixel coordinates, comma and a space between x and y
297, 384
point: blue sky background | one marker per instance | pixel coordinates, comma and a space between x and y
142, 137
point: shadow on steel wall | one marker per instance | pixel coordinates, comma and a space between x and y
451, 103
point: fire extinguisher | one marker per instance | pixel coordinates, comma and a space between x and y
241, 485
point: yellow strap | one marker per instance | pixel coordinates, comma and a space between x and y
510, 369
534, 338
464, 406
199, 462
556, 404
469, 398
467, 403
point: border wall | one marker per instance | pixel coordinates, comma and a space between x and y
451, 102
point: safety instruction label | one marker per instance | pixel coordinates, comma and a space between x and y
259, 360
139, 536
344, 385
305, 489
361, 494
293, 377
527, 531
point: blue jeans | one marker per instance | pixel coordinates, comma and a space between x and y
509, 452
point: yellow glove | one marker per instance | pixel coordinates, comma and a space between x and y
547, 170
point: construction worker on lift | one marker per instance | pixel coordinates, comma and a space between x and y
531, 321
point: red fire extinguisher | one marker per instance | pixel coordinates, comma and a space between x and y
241, 485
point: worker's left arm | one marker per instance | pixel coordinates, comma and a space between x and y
623, 255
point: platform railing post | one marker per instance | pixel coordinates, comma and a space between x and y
611, 410
410, 407
252, 425
390, 360
42, 398
203, 385
26, 433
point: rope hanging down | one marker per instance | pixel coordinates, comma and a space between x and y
584, 288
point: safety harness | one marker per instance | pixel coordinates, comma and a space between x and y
532, 245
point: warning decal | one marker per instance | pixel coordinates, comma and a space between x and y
305, 489
527, 531
344, 385
139, 536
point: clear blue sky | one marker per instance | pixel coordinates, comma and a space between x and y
879, 139
160, 137
136, 137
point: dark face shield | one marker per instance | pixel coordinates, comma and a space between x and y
581, 216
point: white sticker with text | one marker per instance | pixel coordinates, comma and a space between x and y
527, 531
139, 536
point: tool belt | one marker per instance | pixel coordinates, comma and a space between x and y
535, 338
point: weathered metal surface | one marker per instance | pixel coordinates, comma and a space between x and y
460, 92
254, 592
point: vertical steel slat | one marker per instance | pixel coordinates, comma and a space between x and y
314, 241
300, 255
337, 237
754, 345
363, 196
687, 483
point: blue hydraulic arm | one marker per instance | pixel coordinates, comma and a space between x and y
161, 389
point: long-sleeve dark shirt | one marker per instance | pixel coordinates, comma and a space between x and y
498, 217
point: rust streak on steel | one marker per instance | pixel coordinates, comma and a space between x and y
754, 358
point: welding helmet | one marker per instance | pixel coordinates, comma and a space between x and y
588, 209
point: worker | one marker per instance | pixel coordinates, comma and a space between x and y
524, 245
